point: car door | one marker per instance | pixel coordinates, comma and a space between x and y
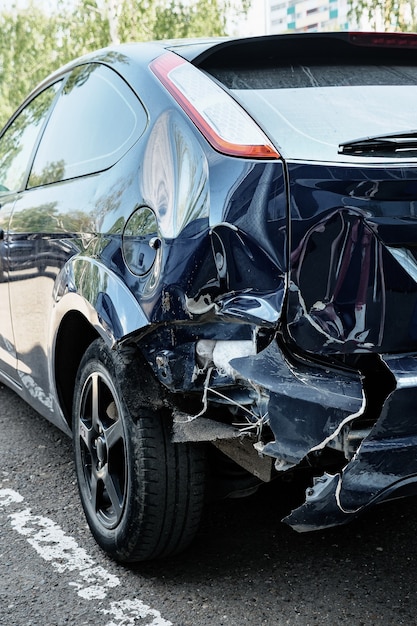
95, 120
17, 144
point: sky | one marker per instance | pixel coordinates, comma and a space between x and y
254, 24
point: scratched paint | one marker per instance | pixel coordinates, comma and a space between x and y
61, 551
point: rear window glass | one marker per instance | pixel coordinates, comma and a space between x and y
309, 110
301, 76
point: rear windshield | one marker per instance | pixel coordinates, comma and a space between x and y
309, 110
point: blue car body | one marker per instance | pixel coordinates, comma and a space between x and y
273, 295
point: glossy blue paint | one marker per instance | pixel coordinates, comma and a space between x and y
275, 296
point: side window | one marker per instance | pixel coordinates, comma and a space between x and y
18, 141
96, 119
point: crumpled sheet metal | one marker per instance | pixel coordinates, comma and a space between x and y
385, 463
307, 406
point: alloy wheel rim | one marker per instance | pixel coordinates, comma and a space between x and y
103, 450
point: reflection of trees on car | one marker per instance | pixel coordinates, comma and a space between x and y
50, 173
18, 140
40, 219
48, 219
81, 75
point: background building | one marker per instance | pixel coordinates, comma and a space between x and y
306, 15
270, 17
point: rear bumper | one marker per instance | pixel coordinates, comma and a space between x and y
311, 409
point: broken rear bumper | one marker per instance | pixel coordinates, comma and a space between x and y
311, 409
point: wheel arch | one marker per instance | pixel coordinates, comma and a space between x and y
90, 302
74, 336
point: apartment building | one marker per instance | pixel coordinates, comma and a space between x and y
306, 15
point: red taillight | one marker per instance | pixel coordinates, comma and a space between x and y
222, 121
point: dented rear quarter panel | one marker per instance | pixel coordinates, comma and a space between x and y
350, 227
352, 290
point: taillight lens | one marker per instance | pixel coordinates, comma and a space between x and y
222, 121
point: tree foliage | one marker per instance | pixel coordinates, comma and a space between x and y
388, 15
36, 40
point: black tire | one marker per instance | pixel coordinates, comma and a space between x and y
142, 494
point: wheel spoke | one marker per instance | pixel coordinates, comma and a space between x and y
86, 434
114, 433
94, 489
113, 492
95, 418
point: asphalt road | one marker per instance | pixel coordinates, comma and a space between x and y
244, 568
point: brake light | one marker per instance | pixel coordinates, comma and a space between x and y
385, 40
222, 121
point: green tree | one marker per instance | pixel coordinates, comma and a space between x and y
35, 43
28, 36
394, 15
203, 18
167, 19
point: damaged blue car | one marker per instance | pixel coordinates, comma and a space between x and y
208, 275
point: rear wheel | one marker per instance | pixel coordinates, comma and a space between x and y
142, 494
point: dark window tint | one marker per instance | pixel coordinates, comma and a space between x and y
96, 119
18, 141
309, 75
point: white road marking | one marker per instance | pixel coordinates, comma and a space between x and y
64, 554
127, 611
8, 496
92, 581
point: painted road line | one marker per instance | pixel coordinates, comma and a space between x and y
91, 581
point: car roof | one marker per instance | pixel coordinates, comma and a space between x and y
267, 49
261, 51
